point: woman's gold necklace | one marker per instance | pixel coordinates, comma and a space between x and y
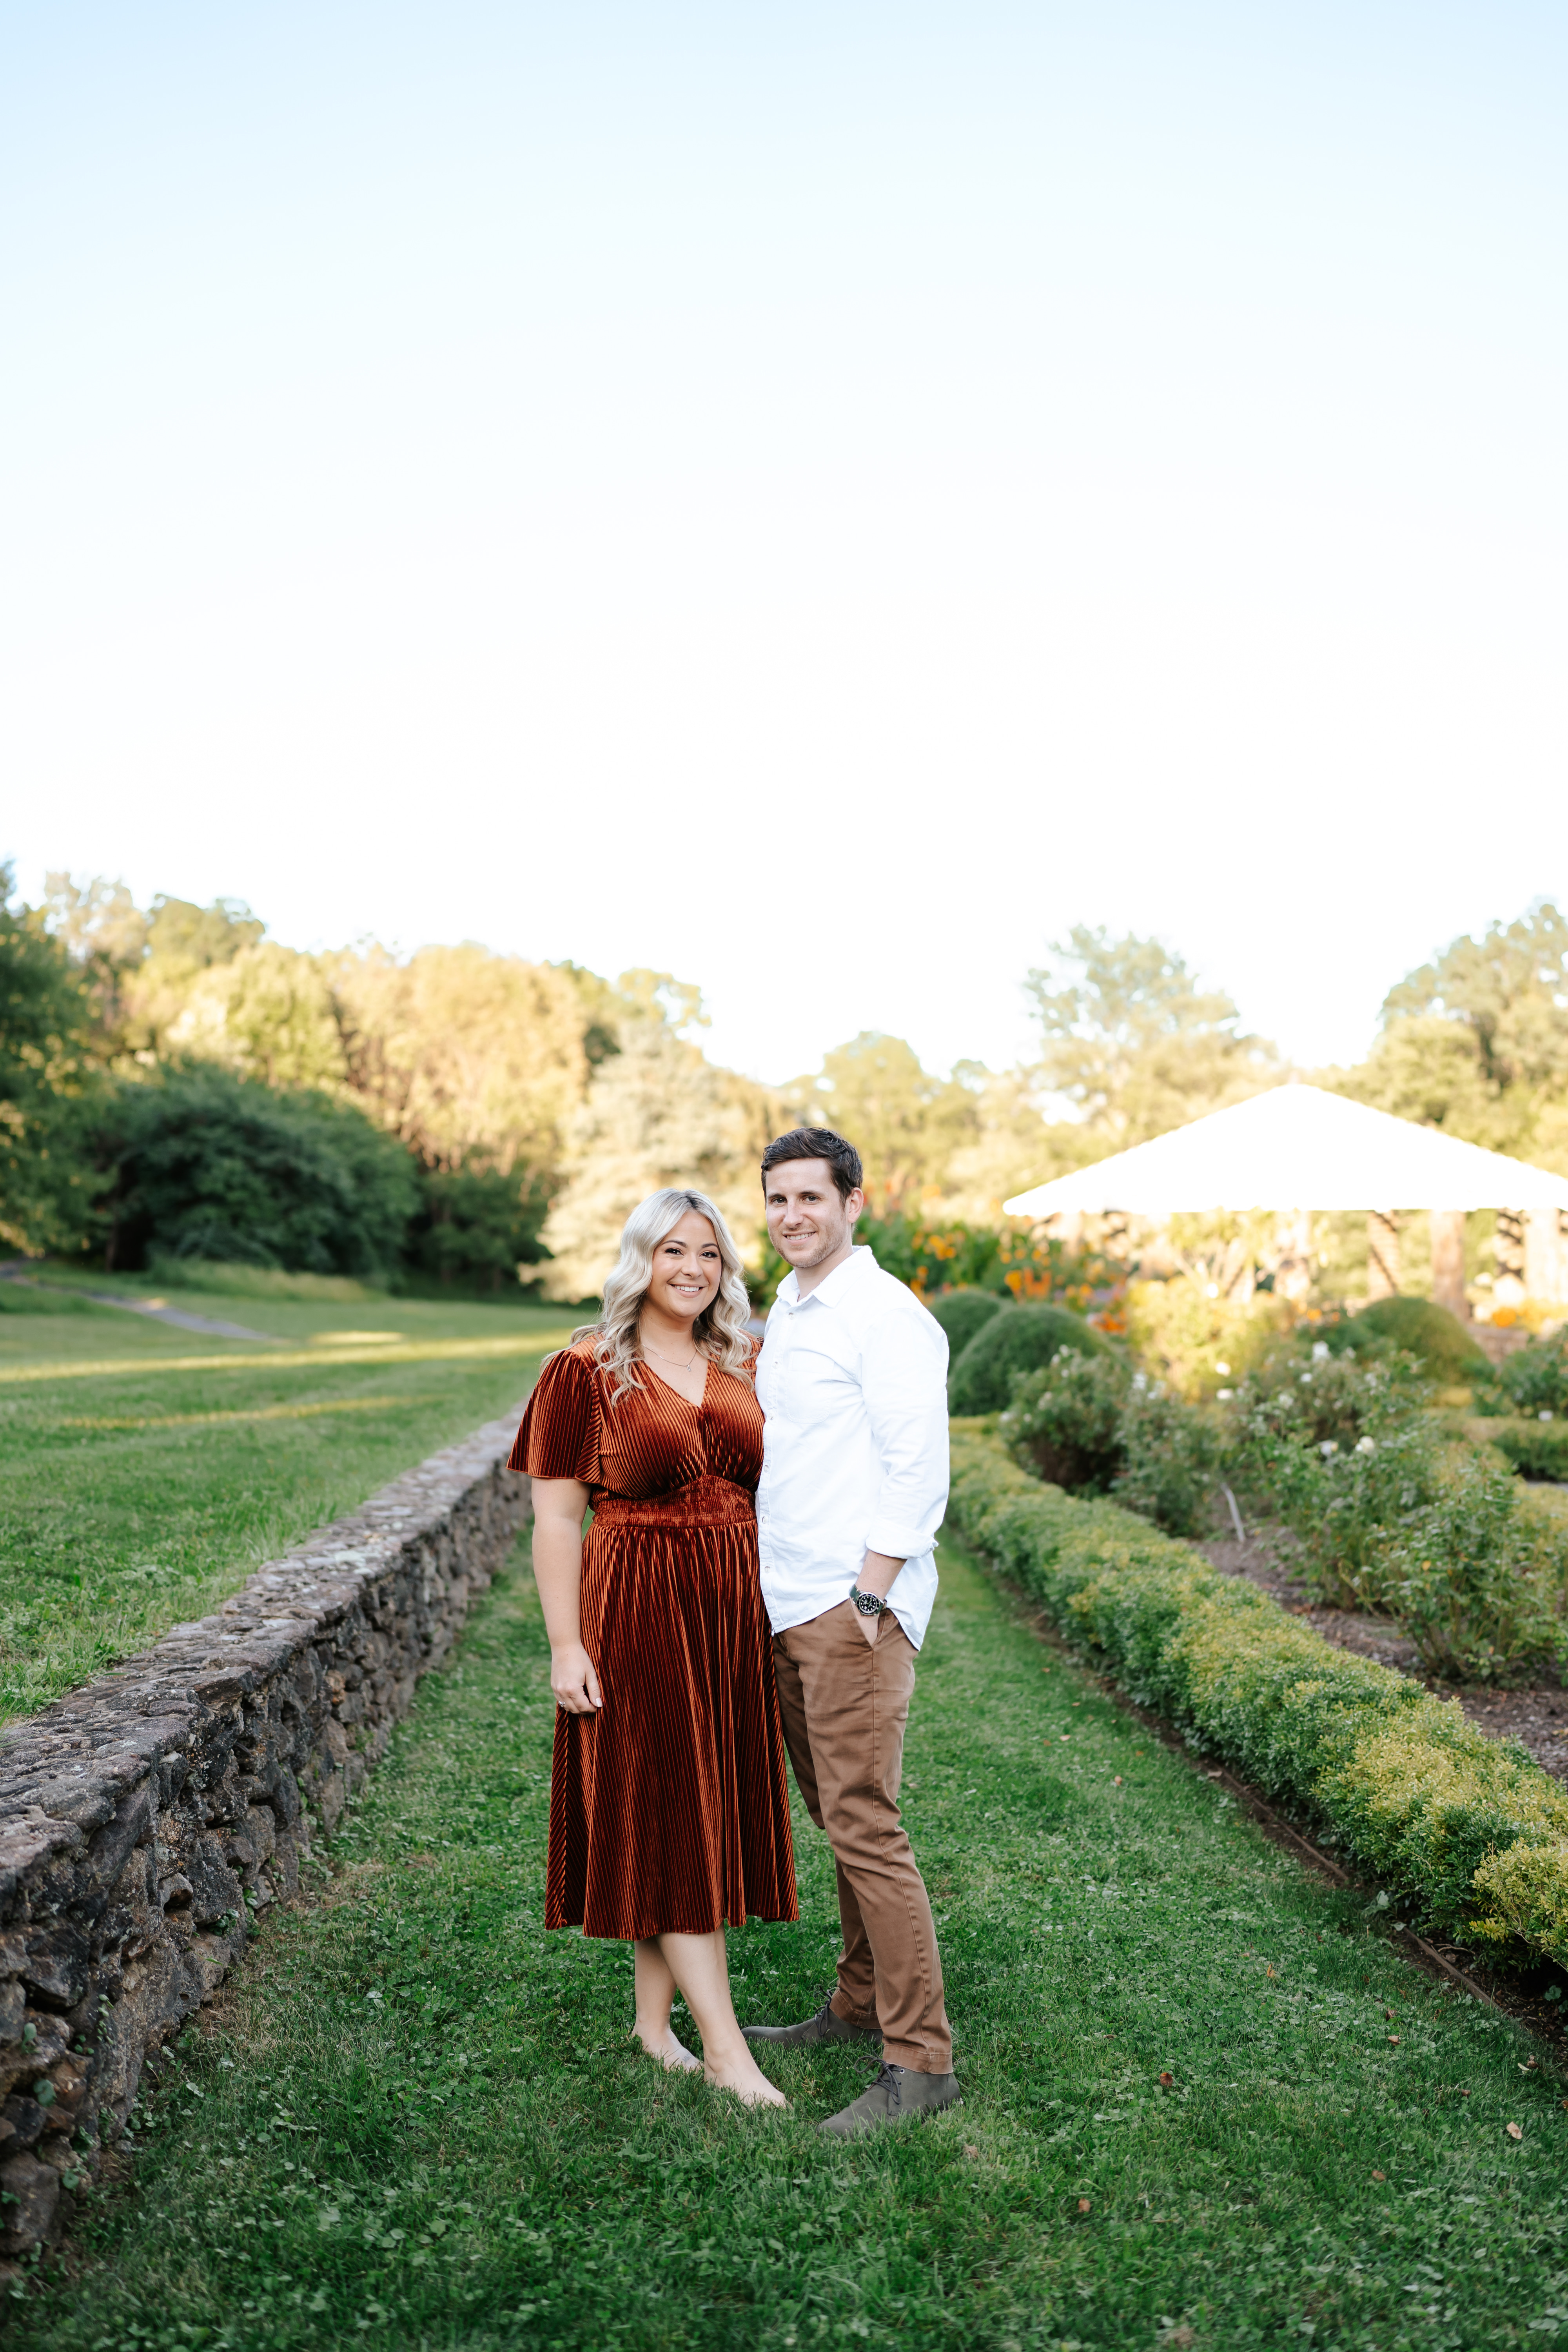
648, 1348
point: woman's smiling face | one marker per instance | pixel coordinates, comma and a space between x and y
687, 1269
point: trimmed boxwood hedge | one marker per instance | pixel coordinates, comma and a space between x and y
1466, 1830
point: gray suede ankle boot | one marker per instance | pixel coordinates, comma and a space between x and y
825, 2026
897, 2093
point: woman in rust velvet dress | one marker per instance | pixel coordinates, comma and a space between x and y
669, 1812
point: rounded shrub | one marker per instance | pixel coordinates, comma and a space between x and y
1438, 1340
1536, 1380
963, 1313
1021, 1339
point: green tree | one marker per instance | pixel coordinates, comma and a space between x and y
477, 1062
45, 1072
184, 941
472, 1060
1012, 1144
268, 1012
478, 1226
104, 933
905, 1123
1476, 1042
655, 1113
1133, 1043
207, 1165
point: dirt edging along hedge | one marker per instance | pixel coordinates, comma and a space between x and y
1466, 1830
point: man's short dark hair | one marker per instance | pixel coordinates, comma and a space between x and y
817, 1143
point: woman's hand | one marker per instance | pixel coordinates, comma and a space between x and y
573, 1681
558, 1507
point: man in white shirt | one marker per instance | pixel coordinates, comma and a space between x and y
853, 1386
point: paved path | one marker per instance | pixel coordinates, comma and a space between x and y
154, 1308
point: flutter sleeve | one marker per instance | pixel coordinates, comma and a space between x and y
559, 1434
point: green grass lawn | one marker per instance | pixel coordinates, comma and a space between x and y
145, 1471
416, 2120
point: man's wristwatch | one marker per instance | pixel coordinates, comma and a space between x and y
867, 1603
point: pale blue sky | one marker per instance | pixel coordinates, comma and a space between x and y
819, 498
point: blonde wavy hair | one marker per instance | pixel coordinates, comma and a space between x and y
719, 1331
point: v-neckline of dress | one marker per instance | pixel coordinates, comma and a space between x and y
686, 1400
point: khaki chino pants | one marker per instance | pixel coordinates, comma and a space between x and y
844, 1703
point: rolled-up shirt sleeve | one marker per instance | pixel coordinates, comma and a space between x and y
903, 1375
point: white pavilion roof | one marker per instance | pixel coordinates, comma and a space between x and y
1297, 1147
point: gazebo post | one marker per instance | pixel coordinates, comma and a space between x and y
1544, 1275
1293, 1276
1449, 1261
1508, 1278
1383, 1253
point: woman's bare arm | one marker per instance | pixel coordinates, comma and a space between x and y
558, 1507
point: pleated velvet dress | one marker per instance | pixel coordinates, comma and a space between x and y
669, 1811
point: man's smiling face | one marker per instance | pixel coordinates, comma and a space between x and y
809, 1220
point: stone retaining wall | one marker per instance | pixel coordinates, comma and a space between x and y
149, 1817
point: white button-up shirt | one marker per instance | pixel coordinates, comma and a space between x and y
852, 1385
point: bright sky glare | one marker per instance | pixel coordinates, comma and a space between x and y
817, 500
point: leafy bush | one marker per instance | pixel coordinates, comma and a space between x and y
1022, 1340
1438, 1341
1473, 1577
1064, 1422
1536, 1380
1082, 1423
1328, 1401
207, 1165
1194, 1342
930, 1256
1338, 1449
1346, 1508
1468, 1831
1392, 1516
1170, 1459
1538, 1449
478, 1226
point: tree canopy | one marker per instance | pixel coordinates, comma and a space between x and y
905, 1123
46, 1022
1131, 1041
1476, 1042
535, 1103
655, 1113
